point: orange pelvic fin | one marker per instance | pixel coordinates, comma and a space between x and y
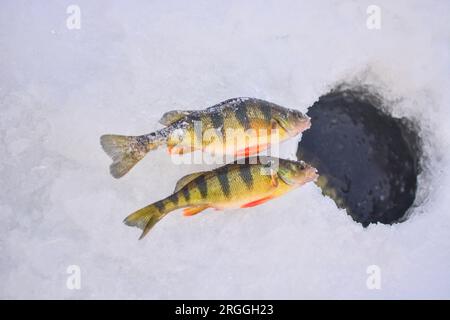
175, 150
179, 149
257, 202
193, 210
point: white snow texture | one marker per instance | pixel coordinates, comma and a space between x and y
130, 62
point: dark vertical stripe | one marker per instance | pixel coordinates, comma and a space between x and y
224, 182
242, 116
218, 124
186, 194
217, 120
160, 205
174, 198
201, 185
246, 175
198, 128
267, 112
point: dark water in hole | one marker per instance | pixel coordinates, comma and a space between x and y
368, 161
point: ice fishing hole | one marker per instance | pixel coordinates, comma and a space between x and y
367, 159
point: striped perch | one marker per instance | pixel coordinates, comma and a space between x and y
213, 130
234, 185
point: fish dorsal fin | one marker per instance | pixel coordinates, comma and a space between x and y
173, 116
186, 179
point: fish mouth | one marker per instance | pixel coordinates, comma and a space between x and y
312, 174
305, 124
300, 126
309, 173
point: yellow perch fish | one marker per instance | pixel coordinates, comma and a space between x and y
234, 185
216, 130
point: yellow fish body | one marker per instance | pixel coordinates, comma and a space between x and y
234, 185
240, 126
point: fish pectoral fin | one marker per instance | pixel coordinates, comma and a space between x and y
274, 177
280, 122
284, 177
173, 116
257, 202
193, 210
273, 124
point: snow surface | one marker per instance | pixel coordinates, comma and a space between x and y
129, 63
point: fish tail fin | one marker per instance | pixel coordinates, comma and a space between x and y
148, 216
126, 151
